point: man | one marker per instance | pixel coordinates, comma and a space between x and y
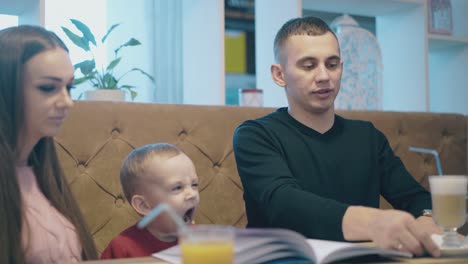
305, 168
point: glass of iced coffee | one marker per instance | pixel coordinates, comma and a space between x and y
448, 194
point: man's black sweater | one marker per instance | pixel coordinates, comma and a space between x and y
297, 178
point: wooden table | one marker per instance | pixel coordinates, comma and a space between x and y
149, 260
146, 260
423, 260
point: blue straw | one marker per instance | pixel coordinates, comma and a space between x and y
432, 152
156, 211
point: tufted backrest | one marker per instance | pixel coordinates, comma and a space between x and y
97, 137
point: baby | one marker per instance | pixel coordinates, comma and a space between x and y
150, 175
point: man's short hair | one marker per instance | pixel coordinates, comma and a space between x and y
311, 26
135, 164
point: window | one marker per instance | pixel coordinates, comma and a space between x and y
92, 13
8, 21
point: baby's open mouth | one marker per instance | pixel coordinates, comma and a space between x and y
188, 216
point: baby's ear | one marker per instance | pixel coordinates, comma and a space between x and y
140, 205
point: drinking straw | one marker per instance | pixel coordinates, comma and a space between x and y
156, 211
432, 152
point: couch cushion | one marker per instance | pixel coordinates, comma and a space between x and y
97, 137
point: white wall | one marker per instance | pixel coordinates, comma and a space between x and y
28, 11
8, 21
33, 13
448, 67
270, 15
203, 52
417, 82
135, 22
449, 85
402, 37
460, 18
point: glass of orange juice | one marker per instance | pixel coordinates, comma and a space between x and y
208, 244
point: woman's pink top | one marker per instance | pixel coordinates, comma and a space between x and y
47, 236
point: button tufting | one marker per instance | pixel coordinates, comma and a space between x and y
216, 166
445, 133
81, 167
119, 202
182, 134
115, 133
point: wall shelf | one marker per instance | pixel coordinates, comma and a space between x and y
428, 69
361, 7
437, 42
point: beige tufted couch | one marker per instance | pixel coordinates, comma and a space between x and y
98, 135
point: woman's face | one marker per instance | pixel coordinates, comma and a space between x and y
48, 78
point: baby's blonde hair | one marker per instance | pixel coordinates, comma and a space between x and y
135, 164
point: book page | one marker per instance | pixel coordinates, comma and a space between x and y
261, 245
328, 251
258, 245
170, 255
275, 238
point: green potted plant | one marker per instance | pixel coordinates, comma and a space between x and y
100, 77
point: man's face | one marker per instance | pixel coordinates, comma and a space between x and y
310, 70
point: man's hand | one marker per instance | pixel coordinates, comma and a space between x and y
399, 230
430, 226
427, 223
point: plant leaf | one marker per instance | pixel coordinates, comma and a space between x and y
144, 73
82, 80
86, 67
108, 32
130, 42
113, 63
77, 40
109, 81
87, 34
133, 94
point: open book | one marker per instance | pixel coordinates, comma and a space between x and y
254, 245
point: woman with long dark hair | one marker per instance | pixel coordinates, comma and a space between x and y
40, 222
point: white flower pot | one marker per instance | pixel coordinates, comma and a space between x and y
105, 95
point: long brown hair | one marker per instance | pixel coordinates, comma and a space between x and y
18, 45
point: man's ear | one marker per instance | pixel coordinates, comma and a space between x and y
277, 74
140, 205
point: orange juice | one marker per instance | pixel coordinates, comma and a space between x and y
207, 252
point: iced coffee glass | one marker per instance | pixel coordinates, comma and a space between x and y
448, 194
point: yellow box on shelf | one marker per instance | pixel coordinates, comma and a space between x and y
235, 51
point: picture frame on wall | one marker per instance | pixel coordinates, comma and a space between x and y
440, 17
